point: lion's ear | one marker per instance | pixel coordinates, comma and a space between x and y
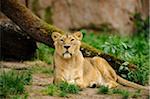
55, 36
78, 35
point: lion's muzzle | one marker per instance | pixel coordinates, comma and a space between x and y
67, 55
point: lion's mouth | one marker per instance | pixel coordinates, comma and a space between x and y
67, 54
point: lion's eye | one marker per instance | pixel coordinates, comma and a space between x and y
61, 40
72, 39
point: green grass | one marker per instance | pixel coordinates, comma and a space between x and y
68, 88
103, 89
51, 90
13, 82
62, 89
124, 93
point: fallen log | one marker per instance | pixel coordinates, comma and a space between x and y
41, 31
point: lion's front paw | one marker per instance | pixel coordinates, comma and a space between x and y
71, 82
81, 86
112, 84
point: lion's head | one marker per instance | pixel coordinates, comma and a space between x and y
67, 45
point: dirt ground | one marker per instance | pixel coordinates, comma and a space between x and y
40, 80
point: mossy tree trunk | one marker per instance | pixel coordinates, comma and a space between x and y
41, 31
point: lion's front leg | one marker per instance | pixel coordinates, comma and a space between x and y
58, 80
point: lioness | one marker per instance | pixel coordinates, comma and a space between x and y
72, 67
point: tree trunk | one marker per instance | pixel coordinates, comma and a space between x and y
41, 31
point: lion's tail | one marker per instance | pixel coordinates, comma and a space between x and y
131, 84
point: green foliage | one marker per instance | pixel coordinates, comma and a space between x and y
13, 82
141, 25
44, 53
131, 49
63, 94
62, 89
103, 89
124, 93
68, 88
52, 90
111, 44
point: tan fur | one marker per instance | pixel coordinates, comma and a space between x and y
72, 67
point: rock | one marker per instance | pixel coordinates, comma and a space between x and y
15, 45
91, 14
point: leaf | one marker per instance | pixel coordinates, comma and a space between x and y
124, 45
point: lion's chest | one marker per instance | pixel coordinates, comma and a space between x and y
71, 74
69, 71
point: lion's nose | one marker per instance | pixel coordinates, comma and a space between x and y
66, 46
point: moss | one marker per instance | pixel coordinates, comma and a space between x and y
49, 29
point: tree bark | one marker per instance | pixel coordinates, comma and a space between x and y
41, 31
